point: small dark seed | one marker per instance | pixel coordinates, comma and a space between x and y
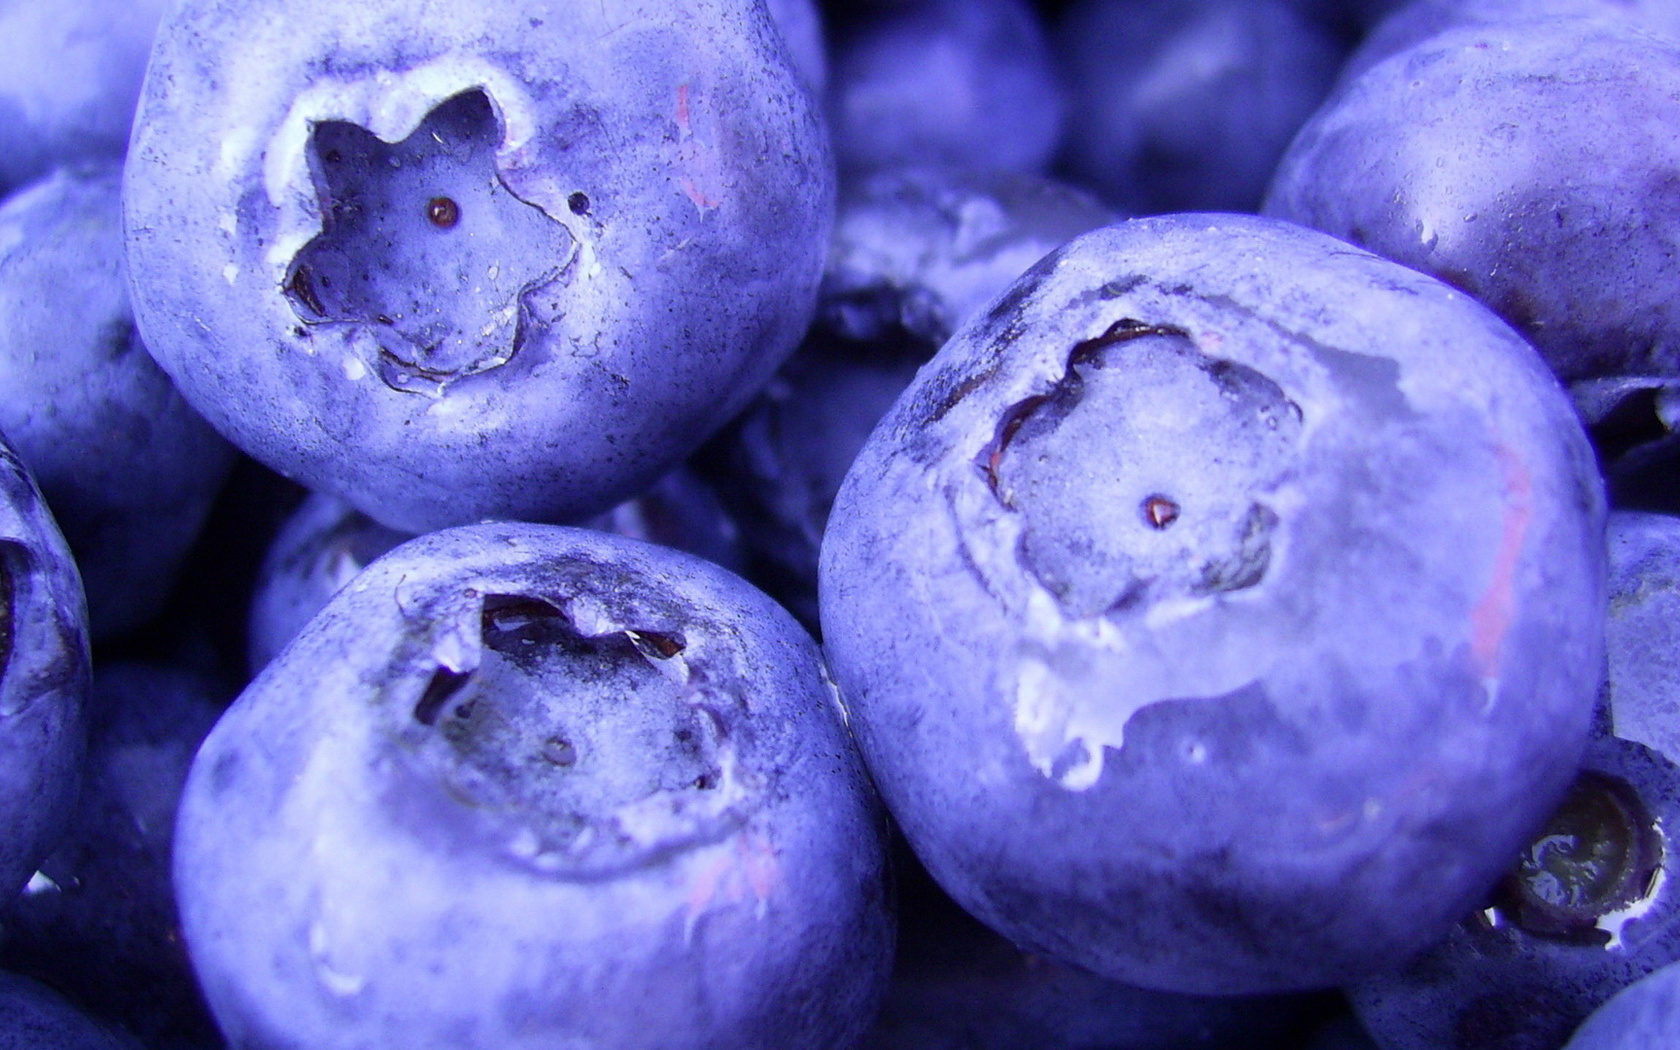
1160, 511
443, 212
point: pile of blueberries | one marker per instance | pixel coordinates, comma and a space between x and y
873, 525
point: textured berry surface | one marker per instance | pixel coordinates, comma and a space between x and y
522, 786
1531, 164
456, 262
916, 251
1308, 623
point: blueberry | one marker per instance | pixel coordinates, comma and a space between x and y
321, 547
456, 264
1415, 22
70, 72
1530, 164
129, 469
916, 251
1590, 904
1223, 609
1206, 99
959, 986
801, 24
682, 511
525, 785
44, 675
34, 1017
1644, 672
98, 920
383, 261
325, 543
1645, 1014
964, 83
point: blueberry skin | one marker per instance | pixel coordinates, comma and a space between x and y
915, 251
1206, 100
1530, 164
326, 542
70, 73
98, 921
1644, 1015
367, 857
1499, 977
918, 249
34, 1017
1271, 699
129, 469
959, 986
1641, 631
1492, 982
801, 24
963, 83
321, 547
1416, 22
44, 674
682, 511
450, 262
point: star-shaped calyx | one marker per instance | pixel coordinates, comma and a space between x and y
423, 246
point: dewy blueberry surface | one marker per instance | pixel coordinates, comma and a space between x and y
537, 785
462, 261
1420, 20
1265, 685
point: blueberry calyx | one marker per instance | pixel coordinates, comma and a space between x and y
607, 747
1162, 415
991, 457
1598, 854
436, 308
